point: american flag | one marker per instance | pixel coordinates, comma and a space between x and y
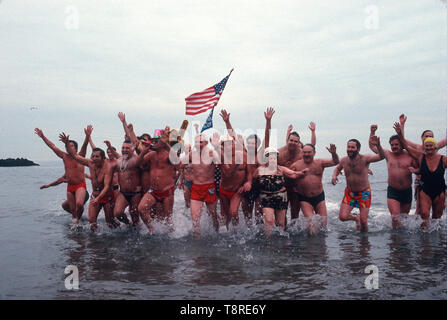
207, 99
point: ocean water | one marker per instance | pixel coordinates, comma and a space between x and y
37, 246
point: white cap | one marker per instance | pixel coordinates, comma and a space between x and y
270, 150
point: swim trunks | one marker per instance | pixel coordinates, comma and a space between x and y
204, 192
74, 187
314, 201
188, 184
161, 195
361, 199
227, 194
403, 196
116, 187
129, 195
277, 201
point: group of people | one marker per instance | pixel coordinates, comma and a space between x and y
244, 172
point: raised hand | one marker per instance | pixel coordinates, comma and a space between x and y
373, 128
402, 119
130, 127
214, 140
88, 130
64, 138
108, 144
312, 126
122, 116
225, 115
374, 140
269, 113
398, 127
332, 148
289, 128
38, 132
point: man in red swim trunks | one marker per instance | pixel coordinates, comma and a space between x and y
74, 173
203, 188
162, 177
358, 191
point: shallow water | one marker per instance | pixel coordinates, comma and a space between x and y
127, 264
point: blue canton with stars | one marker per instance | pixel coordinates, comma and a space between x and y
221, 85
209, 121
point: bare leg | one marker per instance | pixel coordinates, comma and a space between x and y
133, 209
119, 207
212, 212
108, 213
395, 210
80, 197
66, 206
93, 211
425, 205
438, 206
168, 208
71, 200
308, 212
196, 208
294, 205
345, 214
364, 219
187, 196
234, 208
144, 208
247, 209
225, 209
322, 211
280, 218
269, 220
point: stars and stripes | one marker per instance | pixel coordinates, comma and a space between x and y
209, 121
207, 99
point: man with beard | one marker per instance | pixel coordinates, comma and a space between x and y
162, 177
289, 154
74, 173
102, 195
310, 187
400, 167
129, 181
358, 191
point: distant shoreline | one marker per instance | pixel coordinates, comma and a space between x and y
19, 162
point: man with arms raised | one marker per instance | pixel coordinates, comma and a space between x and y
74, 173
400, 166
102, 194
358, 191
310, 187
235, 175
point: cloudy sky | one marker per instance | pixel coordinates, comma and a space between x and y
342, 64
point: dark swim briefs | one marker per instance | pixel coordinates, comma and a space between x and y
277, 200
403, 196
314, 201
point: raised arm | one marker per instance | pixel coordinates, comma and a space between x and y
114, 152
372, 133
128, 129
402, 120
50, 144
416, 154
375, 142
289, 130
268, 125
313, 139
331, 162
72, 152
88, 132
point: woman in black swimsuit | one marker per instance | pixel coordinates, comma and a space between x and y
273, 195
432, 168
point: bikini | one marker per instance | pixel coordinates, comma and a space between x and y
271, 195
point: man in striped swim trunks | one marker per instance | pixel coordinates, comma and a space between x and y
358, 191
